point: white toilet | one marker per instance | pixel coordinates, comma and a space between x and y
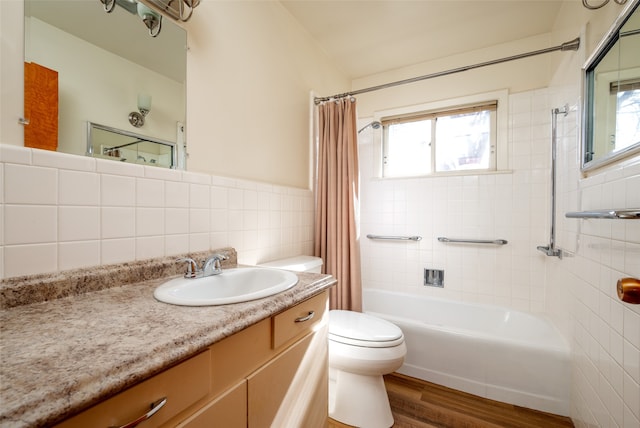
362, 348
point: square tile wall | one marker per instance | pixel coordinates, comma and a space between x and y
512, 205
577, 293
604, 332
60, 212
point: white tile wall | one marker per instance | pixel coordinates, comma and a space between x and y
511, 205
60, 212
577, 292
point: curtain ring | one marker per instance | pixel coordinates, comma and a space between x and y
353, 99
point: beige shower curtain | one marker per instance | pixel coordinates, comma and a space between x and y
337, 204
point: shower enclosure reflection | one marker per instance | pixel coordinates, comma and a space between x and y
612, 94
115, 144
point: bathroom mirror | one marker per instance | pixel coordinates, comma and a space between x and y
612, 94
104, 61
115, 144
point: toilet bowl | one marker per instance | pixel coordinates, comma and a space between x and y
362, 348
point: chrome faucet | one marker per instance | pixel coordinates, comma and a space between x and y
212, 266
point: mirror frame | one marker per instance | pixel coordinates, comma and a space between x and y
93, 125
605, 45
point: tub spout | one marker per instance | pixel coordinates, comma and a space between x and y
550, 251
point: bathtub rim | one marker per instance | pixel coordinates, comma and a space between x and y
564, 345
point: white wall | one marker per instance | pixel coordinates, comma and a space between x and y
250, 71
581, 289
511, 205
577, 292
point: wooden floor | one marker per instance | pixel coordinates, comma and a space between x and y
419, 404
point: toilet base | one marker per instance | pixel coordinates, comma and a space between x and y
359, 400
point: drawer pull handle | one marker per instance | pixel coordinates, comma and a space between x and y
154, 409
307, 318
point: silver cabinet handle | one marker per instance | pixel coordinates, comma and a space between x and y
306, 318
154, 409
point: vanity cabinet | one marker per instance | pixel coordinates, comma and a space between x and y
273, 373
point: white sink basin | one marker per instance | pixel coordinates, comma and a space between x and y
231, 286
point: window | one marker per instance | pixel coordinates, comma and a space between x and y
449, 140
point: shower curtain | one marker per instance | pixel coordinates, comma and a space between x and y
337, 204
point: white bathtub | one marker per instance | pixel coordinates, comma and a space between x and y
489, 351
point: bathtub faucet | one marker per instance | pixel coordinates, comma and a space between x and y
550, 251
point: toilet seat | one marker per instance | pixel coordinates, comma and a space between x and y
358, 329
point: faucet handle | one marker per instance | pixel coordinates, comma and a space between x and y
192, 267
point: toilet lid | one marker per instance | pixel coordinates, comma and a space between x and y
355, 328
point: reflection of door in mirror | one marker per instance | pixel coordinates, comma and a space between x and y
40, 107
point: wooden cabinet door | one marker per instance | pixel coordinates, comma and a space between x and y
291, 390
227, 411
40, 107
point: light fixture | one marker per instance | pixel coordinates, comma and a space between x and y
151, 18
108, 5
598, 6
144, 106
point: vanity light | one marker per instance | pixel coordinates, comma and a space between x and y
151, 19
144, 106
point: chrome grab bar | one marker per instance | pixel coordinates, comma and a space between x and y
397, 238
474, 241
624, 214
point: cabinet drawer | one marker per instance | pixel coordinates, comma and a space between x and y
298, 320
182, 385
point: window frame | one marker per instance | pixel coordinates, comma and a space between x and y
500, 161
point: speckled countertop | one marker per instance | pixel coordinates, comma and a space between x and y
63, 355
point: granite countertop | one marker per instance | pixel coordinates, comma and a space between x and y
61, 356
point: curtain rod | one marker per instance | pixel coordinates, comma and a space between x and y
572, 45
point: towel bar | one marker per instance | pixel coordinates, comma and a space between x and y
623, 214
396, 238
474, 241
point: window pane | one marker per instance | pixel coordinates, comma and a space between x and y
463, 141
408, 149
627, 119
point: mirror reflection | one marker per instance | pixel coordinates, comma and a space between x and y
115, 144
104, 63
612, 111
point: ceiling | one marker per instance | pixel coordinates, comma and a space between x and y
363, 37
366, 37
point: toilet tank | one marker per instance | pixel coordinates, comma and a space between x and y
298, 264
